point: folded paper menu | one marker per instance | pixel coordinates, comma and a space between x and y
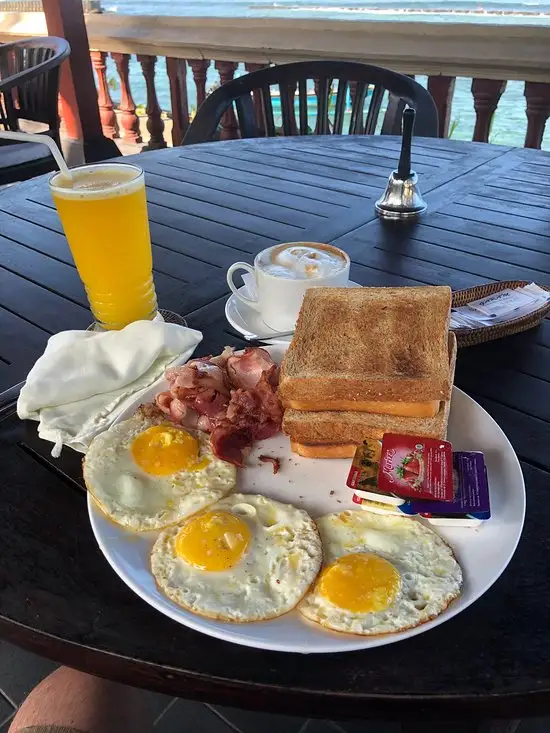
500, 307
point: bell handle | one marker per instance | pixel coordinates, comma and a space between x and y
404, 167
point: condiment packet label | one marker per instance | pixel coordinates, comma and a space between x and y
416, 467
471, 498
378, 507
501, 303
401, 467
365, 466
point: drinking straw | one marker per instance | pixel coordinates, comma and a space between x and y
29, 137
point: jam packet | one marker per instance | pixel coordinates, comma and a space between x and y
470, 506
402, 467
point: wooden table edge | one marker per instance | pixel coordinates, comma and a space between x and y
270, 698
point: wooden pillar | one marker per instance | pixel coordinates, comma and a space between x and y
129, 120
487, 94
199, 67
62, 125
537, 95
257, 101
77, 90
106, 108
177, 77
442, 89
229, 125
155, 125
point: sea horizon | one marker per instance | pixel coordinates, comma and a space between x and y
510, 121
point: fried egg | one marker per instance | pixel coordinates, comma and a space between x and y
146, 473
381, 574
246, 558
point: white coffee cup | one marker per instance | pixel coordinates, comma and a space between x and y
284, 272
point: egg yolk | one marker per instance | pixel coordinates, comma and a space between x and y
213, 540
360, 582
165, 449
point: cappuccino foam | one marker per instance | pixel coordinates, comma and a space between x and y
303, 262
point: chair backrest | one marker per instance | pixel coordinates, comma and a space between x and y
351, 93
29, 81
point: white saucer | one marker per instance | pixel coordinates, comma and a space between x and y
247, 321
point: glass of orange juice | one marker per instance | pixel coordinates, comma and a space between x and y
103, 211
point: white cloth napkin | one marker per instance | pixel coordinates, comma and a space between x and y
84, 380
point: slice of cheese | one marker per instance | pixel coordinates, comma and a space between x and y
403, 409
323, 450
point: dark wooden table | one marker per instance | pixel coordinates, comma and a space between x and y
489, 219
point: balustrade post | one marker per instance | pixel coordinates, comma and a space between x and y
78, 93
229, 125
177, 78
537, 96
487, 94
155, 125
199, 67
442, 89
129, 120
257, 100
107, 114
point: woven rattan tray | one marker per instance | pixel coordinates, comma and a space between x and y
474, 336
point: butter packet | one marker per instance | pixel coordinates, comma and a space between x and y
371, 505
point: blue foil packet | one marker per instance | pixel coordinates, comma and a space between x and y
471, 501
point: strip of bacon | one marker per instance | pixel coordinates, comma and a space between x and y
230, 444
245, 370
196, 376
231, 396
176, 410
275, 462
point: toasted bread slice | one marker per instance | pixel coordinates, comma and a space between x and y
369, 344
351, 427
324, 450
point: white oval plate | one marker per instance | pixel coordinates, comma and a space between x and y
319, 486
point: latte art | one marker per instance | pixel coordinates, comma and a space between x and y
303, 262
283, 273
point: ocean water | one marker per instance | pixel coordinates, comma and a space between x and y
510, 121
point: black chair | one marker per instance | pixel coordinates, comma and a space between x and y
253, 101
29, 88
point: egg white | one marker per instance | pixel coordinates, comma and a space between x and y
430, 576
141, 501
276, 571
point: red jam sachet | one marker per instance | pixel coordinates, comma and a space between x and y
404, 466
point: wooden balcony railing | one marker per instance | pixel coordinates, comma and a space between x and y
490, 55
